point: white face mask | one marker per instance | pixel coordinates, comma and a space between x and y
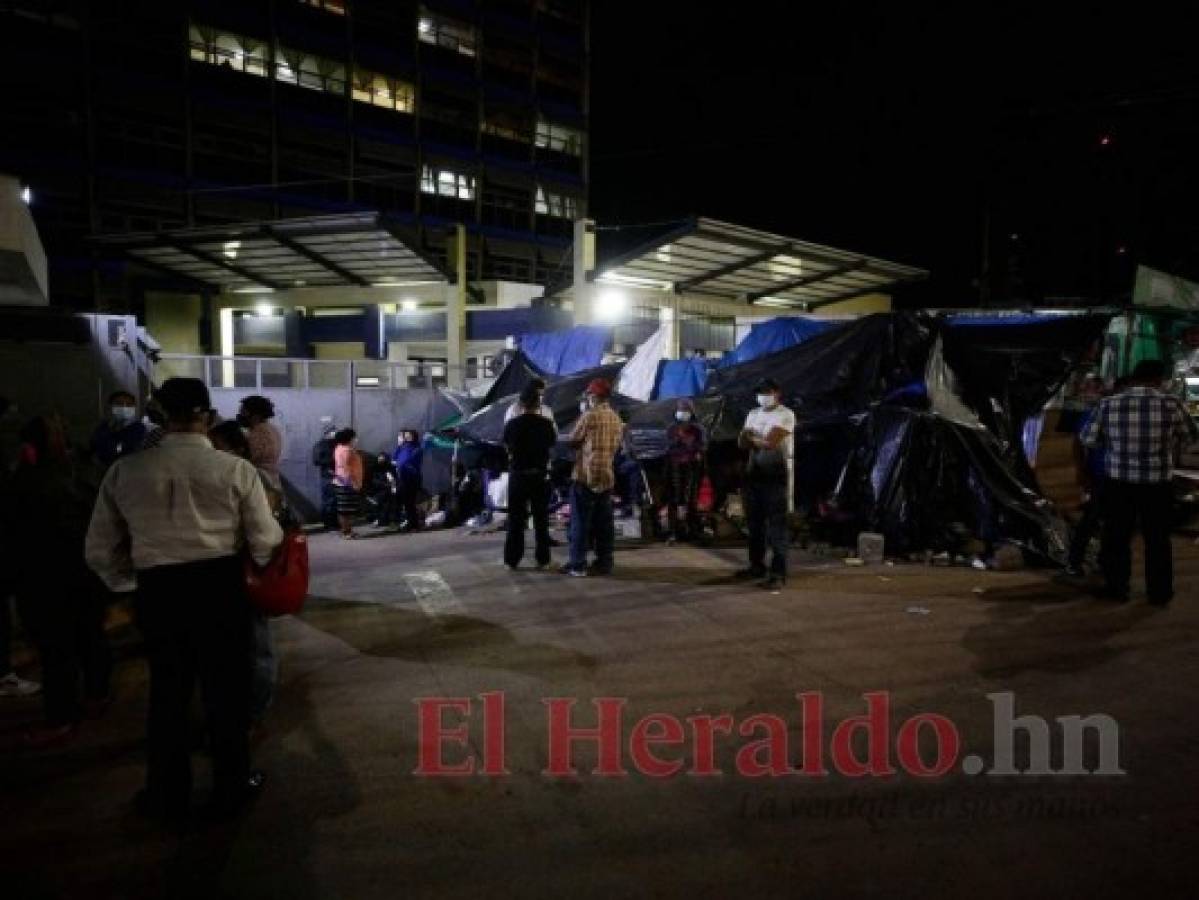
767, 401
683, 416
584, 406
124, 414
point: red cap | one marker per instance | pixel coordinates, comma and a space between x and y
600, 387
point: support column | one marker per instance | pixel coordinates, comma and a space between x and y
455, 316
397, 353
583, 252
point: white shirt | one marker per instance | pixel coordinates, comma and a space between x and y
761, 422
185, 502
516, 409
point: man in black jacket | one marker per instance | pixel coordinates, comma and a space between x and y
529, 438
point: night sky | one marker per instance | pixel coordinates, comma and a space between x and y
901, 134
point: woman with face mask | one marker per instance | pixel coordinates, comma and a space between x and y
266, 443
407, 460
121, 432
684, 469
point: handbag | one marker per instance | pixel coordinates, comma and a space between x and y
280, 587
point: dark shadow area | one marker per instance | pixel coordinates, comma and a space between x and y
1037, 628
388, 631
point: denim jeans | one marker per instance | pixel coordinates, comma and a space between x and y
591, 519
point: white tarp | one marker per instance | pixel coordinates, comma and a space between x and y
639, 373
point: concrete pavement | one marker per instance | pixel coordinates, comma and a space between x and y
398, 618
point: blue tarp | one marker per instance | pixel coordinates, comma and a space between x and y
682, 378
774, 335
956, 321
566, 352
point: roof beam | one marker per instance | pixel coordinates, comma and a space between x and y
856, 292
308, 253
783, 286
764, 256
795, 248
214, 260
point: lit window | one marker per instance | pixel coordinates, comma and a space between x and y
446, 33
309, 71
560, 206
334, 6
382, 90
447, 184
227, 50
560, 138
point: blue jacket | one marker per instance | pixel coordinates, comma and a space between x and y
407, 460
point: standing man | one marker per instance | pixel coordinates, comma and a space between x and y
684, 469
529, 439
173, 524
518, 408
769, 436
1139, 430
596, 438
121, 433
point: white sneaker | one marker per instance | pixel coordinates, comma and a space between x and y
13, 686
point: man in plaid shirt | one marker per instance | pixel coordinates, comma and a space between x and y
1139, 431
596, 438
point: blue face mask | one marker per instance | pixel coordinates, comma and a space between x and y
683, 416
124, 414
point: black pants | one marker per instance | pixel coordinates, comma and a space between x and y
408, 494
197, 625
1088, 525
1124, 504
528, 492
65, 617
682, 489
766, 515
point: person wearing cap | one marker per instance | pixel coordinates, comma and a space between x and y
518, 407
769, 436
684, 468
529, 439
596, 438
173, 524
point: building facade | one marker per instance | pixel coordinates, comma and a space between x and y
145, 116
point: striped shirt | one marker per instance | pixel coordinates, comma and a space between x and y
1138, 430
182, 503
597, 438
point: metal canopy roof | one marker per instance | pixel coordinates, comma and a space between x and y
355, 249
706, 256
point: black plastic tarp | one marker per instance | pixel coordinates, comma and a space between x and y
927, 483
828, 377
1007, 372
562, 396
519, 371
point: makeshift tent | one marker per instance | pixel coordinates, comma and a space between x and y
640, 373
562, 395
682, 378
774, 335
1007, 368
566, 352
927, 483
